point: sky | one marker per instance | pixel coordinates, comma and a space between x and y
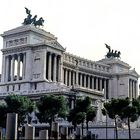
83, 26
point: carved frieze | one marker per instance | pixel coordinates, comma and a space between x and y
15, 42
15, 50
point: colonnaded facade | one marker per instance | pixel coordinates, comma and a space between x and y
35, 64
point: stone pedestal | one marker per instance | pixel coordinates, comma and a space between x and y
29, 132
43, 134
64, 133
11, 126
78, 133
55, 130
0, 133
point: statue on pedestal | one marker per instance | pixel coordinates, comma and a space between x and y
111, 53
33, 21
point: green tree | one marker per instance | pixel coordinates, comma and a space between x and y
49, 106
90, 115
131, 113
82, 111
19, 104
113, 109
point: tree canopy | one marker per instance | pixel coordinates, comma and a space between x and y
49, 106
19, 104
82, 111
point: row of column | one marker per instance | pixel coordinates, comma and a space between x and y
53, 67
72, 77
15, 67
132, 88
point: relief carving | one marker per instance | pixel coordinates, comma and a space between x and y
16, 42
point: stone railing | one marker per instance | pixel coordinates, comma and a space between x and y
81, 62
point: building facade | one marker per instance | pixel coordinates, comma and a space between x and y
34, 64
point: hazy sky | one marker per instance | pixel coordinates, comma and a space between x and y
83, 26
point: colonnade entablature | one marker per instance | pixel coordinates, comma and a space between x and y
84, 63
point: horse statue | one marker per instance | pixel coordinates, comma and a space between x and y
33, 21
118, 54
111, 53
28, 20
39, 22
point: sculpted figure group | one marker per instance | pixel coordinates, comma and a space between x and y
32, 20
111, 53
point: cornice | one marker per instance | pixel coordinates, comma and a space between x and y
27, 28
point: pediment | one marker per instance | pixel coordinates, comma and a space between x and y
134, 73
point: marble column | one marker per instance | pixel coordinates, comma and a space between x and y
81, 79
24, 66
136, 89
60, 69
88, 81
3, 78
84, 80
97, 83
63, 70
18, 67
131, 90
105, 88
100, 84
50, 67
44, 65
7, 68
76, 77
73, 77
66, 75
109, 88
12, 68
69, 77
54, 68
92, 83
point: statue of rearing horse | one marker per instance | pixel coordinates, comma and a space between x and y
39, 22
